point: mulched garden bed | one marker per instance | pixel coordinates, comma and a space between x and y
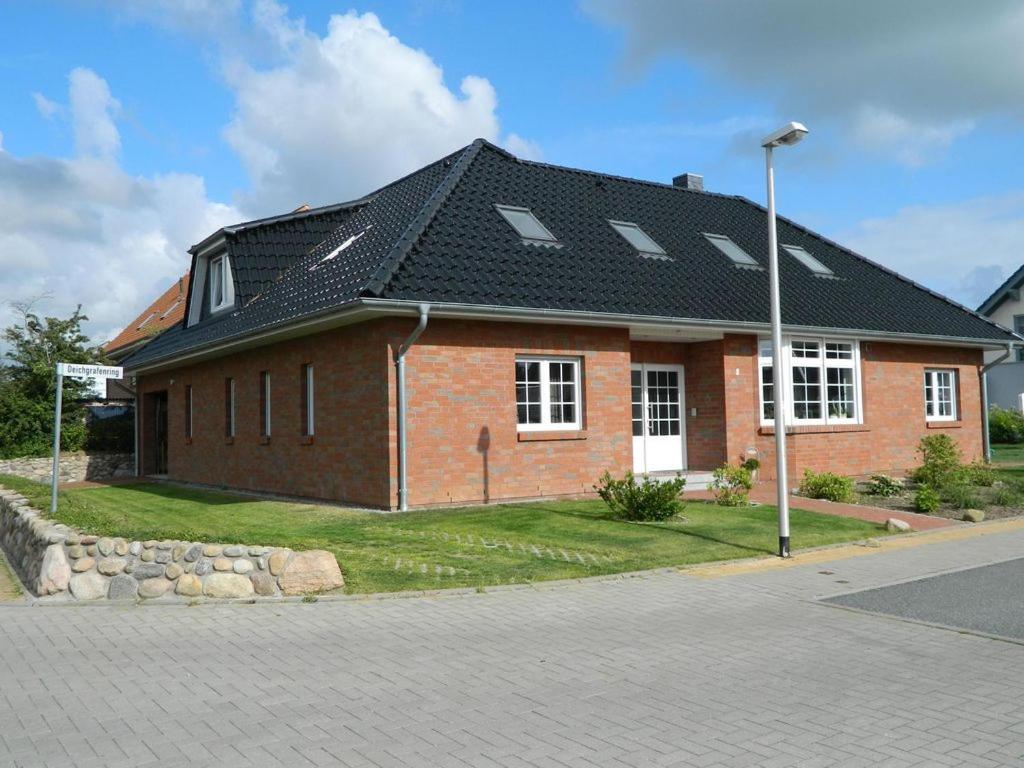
904, 502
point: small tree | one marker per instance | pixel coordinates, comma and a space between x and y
28, 382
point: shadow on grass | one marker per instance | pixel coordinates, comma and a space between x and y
203, 496
608, 517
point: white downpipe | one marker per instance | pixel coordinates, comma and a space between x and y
986, 442
403, 485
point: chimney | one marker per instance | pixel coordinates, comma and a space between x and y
692, 181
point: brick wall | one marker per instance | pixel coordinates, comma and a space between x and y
463, 442
894, 418
347, 459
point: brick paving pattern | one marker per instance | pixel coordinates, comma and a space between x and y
747, 669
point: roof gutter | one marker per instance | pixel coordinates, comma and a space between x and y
528, 314
983, 375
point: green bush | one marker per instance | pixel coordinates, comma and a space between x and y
940, 460
926, 499
648, 500
1005, 426
731, 485
751, 465
1006, 496
883, 485
826, 485
980, 474
960, 495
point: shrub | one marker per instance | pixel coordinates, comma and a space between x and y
644, 501
960, 495
979, 473
826, 485
751, 465
731, 485
940, 460
1005, 496
1005, 426
926, 499
883, 485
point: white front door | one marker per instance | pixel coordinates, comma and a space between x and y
659, 430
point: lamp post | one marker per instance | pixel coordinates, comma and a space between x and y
788, 134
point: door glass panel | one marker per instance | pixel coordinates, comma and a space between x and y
637, 386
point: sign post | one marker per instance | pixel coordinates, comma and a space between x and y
75, 370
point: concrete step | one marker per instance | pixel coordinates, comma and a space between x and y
696, 480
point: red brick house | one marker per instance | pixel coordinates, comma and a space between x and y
550, 324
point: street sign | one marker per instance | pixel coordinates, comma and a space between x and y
78, 370
75, 370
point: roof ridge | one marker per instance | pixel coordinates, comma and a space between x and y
1013, 281
876, 265
400, 249
235, 228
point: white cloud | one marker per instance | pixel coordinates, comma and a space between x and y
963, 250
79, 230
93, 111
336, 116
46, 108
932, 66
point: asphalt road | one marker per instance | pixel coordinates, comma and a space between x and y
988, 599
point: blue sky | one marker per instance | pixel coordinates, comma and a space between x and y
131, 130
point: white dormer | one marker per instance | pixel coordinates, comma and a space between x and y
214, 267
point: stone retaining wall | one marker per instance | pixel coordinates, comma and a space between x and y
54, 560
74, 467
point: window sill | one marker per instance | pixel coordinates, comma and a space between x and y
811, 429
542, 435
264, 439
957, 424
306, 440
229, 440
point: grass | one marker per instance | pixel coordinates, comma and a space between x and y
470, 547
1008, 454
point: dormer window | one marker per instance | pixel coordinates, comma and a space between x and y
220, 284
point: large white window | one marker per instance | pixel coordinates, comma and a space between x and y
822, 377
221, 293
548, 393
940, 395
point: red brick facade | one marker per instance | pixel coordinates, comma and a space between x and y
463, 442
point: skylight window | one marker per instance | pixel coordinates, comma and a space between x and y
526, 224
170, 309
729, 248
639, 239
808, 261
145, 322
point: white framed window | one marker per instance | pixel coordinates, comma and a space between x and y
804, 257
526, 224
308, 422
221, 291
548, 393
639, 239
737, 255
940, 394
821, 376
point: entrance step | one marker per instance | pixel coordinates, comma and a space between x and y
696, 480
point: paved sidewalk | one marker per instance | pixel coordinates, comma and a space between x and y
745, 669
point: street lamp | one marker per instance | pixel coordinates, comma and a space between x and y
788, 134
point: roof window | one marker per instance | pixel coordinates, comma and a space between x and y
808, 260
738, 256
145, 322
639, 239
170, 309
526, 224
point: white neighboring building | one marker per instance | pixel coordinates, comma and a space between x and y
1006, 307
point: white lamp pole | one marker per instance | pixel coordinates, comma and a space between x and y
790, 133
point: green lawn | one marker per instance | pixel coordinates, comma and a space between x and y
477, 546
1008, 454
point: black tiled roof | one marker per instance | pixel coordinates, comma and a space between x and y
436, 236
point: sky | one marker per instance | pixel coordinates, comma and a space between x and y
131, 130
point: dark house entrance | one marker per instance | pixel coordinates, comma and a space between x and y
154, 453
